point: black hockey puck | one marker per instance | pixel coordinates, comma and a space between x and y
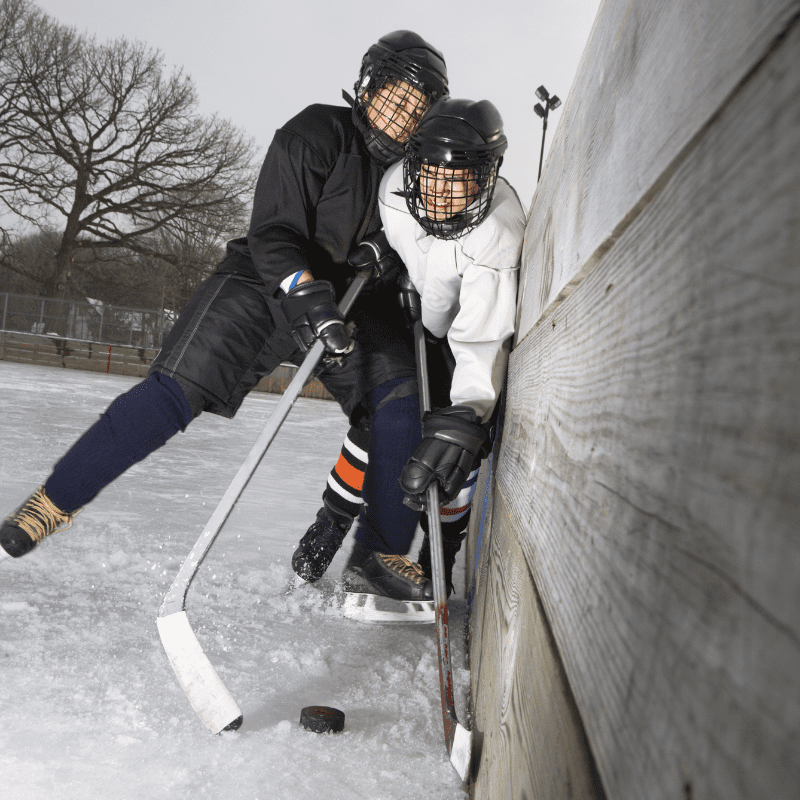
322, 719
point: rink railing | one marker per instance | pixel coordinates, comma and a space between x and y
88, 336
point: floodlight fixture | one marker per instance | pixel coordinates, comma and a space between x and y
539, 110
553, 102
542, 93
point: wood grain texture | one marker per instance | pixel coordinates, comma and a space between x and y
651, 463
530, 740
653, 75
476, 562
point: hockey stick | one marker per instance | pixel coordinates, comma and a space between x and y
457, 738
206, 692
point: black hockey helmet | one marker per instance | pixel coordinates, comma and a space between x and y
401, 77
451, 164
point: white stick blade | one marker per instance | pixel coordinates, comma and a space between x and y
461, 751
207, 693
375, 608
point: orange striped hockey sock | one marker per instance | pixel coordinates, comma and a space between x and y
343, 492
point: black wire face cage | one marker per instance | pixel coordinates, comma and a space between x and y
449, 198
388, 109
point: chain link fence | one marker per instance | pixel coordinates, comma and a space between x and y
98, 337
89, 322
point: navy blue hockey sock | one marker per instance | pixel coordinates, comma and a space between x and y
385, 523
134, 425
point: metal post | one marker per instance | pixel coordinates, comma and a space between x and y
550, 102
544, 132
5, 311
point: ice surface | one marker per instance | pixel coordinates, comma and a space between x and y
89, 705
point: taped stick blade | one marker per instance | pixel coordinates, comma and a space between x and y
461, 751
207, 693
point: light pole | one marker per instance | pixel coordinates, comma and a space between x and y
550, 103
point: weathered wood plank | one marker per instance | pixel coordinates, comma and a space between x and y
480, 526
530, 740
651, 466
652, 76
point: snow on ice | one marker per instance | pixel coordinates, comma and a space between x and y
89, 704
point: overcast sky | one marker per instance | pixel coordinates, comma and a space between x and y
257, 63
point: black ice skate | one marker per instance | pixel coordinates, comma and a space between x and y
36, 518
320, 544
386, 588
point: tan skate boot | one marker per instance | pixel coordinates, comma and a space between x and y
36, 518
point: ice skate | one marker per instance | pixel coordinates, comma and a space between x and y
36, 518
320, 544
386, 588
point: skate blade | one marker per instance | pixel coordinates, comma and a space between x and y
364, 607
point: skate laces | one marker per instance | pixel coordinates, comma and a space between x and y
404, 567
39, 517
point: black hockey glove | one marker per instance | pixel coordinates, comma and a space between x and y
374, 251
409, 298
452, 439
312, 312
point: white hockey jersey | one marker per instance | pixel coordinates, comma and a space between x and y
468, 286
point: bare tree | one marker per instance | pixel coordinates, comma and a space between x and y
192, 244
34, 50
103, 140
13, 17
28, 262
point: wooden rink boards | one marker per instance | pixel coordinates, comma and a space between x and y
646, 499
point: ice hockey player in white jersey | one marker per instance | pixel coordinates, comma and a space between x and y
458, 230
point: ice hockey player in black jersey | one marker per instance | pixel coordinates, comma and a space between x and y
274, 293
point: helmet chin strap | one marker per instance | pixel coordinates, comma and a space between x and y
379, 149
348, 98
